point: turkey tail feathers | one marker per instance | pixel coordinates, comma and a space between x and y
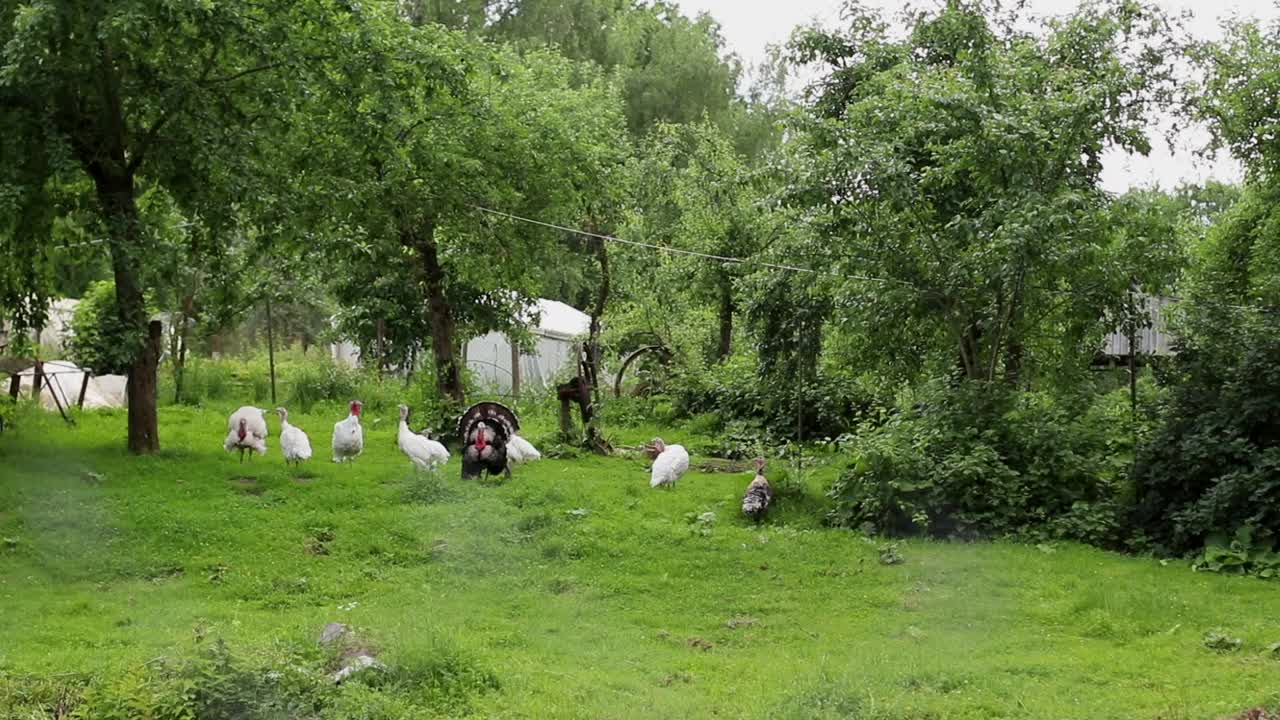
498, 417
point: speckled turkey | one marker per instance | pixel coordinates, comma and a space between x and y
485, 429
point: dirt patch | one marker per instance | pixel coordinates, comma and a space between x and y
675, 677
701, 644
248, 485
720, 465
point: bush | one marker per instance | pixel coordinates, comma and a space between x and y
1212, 468
215, 684
983, 460
98, 339
829, 406
317, 382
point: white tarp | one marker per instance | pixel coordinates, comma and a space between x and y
555, 331
65, 379
558, 327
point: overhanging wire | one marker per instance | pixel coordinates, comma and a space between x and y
796, 268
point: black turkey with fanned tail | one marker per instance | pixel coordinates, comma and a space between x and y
485, 429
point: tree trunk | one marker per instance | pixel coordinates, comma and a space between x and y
594, 439
144, 437
440, 318
116, 193
726, 318
970, 361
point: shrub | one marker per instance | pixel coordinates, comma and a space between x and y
98, 339
317, 382
829, 405
982, 460
1212, 467
214, 683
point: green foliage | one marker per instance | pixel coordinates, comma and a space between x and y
1213, 466
322, 381
100, 340
1247, 553
954, 169
766, 412
965, 461
213, 683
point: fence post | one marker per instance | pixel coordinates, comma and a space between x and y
37, 379
515, 368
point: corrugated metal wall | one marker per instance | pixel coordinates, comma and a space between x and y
1151, 340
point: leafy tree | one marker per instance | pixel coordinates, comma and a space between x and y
690, 191
1212, 467
124, 92
672, 68
420, 129
1210, 471
959, 166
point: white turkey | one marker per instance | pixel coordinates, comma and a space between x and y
247, 430
294, 443
672, 462
348, 436
424, 452
485, 429
755, 504
521, 451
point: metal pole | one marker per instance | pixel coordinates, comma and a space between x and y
271, 352
1133, 357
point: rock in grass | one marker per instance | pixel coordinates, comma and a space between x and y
355, 656
355, 665
1219, 642
332, 633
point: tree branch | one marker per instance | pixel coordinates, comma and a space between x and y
149, 137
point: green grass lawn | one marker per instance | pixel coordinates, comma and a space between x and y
584, 594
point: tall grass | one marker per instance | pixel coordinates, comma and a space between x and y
303, 381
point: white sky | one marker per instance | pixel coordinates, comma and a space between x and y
750, 25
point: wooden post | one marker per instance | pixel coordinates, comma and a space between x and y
271, 352
84, 387
567, 393
515, 368
37, 379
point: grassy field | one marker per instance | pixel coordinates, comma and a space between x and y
574, 591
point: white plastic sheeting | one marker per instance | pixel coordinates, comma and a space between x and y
558, 328
65, 379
